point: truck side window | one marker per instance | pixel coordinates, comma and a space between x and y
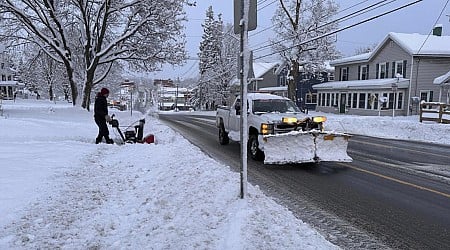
237, 106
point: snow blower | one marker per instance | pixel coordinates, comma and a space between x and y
133, 133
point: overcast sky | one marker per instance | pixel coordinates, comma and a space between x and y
418, 18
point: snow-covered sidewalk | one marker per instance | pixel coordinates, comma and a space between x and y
60, 190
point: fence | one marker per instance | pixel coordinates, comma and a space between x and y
440, 112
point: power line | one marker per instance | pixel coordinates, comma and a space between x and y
435, 23
342, 29
341, 19
351, 7
267, 5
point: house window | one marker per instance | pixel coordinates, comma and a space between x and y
364, 73
362, 100
385, 104
331, 76
3, 65
311, 98
323, 99
370, 100
344, 76
426, 96
375, 103
283, 80
355, 100
382, 71
9, 78
400, 100
3, 78
398, 68
328, 100
349, 100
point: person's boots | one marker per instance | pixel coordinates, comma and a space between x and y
109, 141
98, 140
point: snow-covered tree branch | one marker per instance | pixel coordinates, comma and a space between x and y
144, 34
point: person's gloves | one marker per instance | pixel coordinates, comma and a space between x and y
107, 118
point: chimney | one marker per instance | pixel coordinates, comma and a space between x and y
437, 30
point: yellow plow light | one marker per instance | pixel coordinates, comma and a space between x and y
266, 129
328, 137
289, 120
319, 119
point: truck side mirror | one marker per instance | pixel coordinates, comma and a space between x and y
238, 108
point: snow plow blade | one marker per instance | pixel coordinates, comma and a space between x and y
304, 147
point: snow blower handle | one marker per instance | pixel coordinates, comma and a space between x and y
114, 122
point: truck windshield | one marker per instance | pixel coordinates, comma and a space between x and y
274, 105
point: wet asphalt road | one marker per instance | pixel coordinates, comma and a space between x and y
386, 198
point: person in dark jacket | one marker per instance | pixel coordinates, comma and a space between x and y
101, 116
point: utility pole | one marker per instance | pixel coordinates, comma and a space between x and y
244, 20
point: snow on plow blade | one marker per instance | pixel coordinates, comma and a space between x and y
303, 147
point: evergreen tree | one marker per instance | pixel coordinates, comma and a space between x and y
217, 62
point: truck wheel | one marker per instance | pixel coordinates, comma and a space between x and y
223, 136
253, 148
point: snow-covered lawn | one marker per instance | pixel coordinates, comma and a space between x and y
60, 190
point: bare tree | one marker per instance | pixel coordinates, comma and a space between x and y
296, 22
144, 33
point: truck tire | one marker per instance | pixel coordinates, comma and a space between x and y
223, 136
253, 148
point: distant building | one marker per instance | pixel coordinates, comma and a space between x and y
8, 82
171, 96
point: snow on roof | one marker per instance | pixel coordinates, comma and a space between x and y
364, 84
442, 80
259, 69
259, 96
11, 83
432, 45
357, 58
279, 88
414, 44
262, 68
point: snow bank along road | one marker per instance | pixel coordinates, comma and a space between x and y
394, 194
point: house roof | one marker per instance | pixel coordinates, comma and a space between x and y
262, 68
259, 70
442, 80
364, 84
414, 44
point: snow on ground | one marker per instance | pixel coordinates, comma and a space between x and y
60, 190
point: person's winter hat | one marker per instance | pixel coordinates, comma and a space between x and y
104, 91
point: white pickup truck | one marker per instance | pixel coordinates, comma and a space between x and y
279, 133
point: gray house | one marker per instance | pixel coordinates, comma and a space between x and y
392, 79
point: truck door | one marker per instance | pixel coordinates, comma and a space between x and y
234, 120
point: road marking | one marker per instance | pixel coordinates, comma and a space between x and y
396, 180
388, 146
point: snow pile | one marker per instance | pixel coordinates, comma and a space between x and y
60, 190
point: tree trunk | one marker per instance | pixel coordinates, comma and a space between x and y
89, 84
73, 85
87, 96
292, 85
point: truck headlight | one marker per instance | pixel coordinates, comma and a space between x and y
289, 119
266, 129
319, 119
